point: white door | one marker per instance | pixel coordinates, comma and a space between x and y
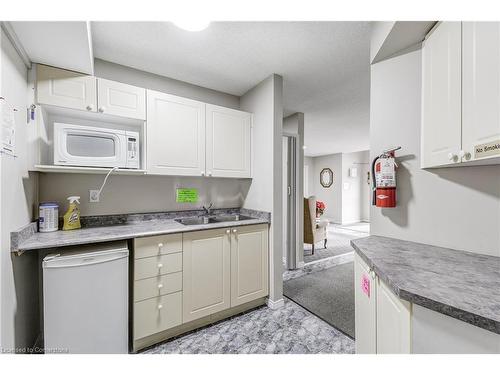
120, 99
66, 89
393, 322
441, 113
206, 273
228, 142
365, 308
249, 263
175, 135
481, 90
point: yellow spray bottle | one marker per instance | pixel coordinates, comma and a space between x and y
72, 216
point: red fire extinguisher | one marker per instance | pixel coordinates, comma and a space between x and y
384, 179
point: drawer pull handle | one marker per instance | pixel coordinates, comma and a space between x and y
160, 265
160, 286
160, 307
160, 245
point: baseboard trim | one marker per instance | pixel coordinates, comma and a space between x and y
273, 305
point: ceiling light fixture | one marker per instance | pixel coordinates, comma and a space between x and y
192, 24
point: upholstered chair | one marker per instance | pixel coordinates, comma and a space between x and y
314, 231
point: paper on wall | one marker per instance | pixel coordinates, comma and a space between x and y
8, 128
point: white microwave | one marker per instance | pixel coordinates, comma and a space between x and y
89, 146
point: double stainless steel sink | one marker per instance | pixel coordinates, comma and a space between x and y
200, 220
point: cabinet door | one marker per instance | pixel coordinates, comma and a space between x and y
175, 135
228, 142
120, 99
393, 322
441, 97
249, 263
206, 273
67, 89
481, 90
365, 308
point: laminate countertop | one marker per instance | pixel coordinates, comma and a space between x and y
460, 284
127, 227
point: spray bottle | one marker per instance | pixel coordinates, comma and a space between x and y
72, 216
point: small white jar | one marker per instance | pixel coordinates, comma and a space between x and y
48, 217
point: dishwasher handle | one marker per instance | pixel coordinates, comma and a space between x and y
84, 259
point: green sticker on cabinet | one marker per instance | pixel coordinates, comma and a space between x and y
187, 195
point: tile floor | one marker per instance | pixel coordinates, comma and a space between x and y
290, 329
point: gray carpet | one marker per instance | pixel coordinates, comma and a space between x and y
328, 294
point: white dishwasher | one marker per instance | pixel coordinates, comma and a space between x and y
85, 299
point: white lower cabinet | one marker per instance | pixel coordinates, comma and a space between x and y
224, 268
179, 278
365, 313
382, 320
206, 273
249, 264
393, 322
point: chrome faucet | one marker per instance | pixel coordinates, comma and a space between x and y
208, 209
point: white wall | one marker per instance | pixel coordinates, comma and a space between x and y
265, 101
332, 196
456, 207
309, 162
134, 194
19, 275
354, 198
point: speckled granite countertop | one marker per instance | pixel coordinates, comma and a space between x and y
460, 284
122, 227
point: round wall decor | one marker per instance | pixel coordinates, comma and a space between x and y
326, 177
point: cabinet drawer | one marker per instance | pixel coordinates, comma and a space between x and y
157, 286
158, 265
157, 245
157, 314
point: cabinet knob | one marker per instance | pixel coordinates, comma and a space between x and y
465, 155
160, 286
235, 231
160, 307
90, 107
209, 173
160, 265
452, 157
202, 173
102, 109
228, 231
160, 245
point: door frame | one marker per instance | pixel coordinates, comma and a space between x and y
292, 223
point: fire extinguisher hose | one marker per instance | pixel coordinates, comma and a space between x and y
374, 182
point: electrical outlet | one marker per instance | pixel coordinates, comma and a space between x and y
94, 196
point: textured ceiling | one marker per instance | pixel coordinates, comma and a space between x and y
325, 67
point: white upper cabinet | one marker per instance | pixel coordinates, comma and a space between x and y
67, 89
120, 99
228, 142
481, 90
175, 135
441, 99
